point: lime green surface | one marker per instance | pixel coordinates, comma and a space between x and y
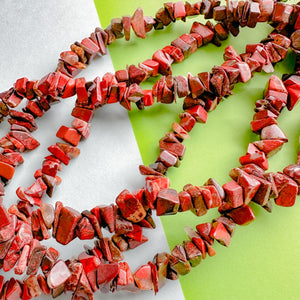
263, 260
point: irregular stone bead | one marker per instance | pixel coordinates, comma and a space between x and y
184, 47
58, 274
134, 243
68, 220
167, 202
152, 64
130, 207
187, 121
35, 259
256, 157
82, 126
143, 278
242, 215
75, 269
59, 154
250, 186
269, 147
206, 33
106, 273
58, 207
94, 221
185, 201
161, 261
174, 52
23, 236
198, 112
220, 233
165, 61
108, 216
16, 145
137, 23
48, 262
234, 194
81, 91
175, 148
204, 231
50, 168
69, 135
6, 171
4, 215
198, 201
83, 290
104, 247
125, 279
194, 255
120, 242
179, 10
293, 171
33, 286
37, 189
44, 229
22, 263
43, 284
11, 258
273, 132
13, 291
287, 190
59, 290
7, 232
228, 223
209, 249
15, 211
136, 233
47, 211
167, 158
10, 157
154, 275
85, 230
82, 113
144, 170
69, 150
179, 266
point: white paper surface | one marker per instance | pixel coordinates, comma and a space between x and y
32, 35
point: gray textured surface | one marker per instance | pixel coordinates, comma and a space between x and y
32, 34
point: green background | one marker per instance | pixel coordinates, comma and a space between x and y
263, 260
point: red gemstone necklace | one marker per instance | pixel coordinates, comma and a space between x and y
99, 268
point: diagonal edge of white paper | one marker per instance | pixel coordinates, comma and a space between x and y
33, 33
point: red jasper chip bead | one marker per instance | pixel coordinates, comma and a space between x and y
58, 274
242, 215
69, 135
82, 113
69, 90
185, 201
198, 112
167, 202
143, 278
82, 126
287, 189
234, 194
137, 23
85, 230
220, 233
68, 219
204, 231
59, 153
6, 171
4, 216
167, 158
130, 207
